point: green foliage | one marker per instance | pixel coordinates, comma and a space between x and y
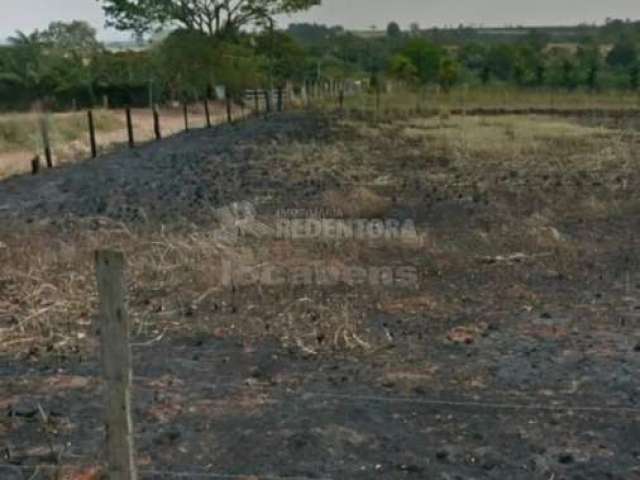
402, 68
212, 17
65, 63
426, 57
448, 74
393, 30
76, 38
623, 54
189, 63
282, 56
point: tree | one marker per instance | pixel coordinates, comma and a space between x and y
393, 30
448, 74
283, 56
403, 69
623, 54
212, 17
568, 74
77, 38
589, 59
425, 57
501, 60
26, 64
634, 76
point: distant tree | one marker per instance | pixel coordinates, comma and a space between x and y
402, 68
25, 64
623, 54
311, 34
414, 29
77, 38
589, 59
537, 39
473, 56
211, 17
394, 30
540, 73
501, 61
634, 76
485, 74
188, 63
283, 56
568, 74
592, 76
448, 74
425, 57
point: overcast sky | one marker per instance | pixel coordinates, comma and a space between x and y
30, 14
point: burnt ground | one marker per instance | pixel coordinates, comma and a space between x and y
515, 356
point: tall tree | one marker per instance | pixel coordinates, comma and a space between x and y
394, 30
76, 37
212, 17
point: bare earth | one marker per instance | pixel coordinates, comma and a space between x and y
515, 356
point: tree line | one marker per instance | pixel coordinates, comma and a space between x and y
190, 46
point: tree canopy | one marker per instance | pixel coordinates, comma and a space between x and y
212, 17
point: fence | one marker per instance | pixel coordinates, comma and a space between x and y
164, 122
140, 126
349, 97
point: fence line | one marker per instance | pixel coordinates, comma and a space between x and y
48, 147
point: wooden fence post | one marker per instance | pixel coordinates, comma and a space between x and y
256, 100
156, 123
44, 130
185, 113
207, 113
92, 134
132, 142
229, 115
267, 99
280, 104
116, 364
35, 165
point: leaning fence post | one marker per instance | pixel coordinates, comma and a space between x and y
207, 113
116, 364
92, 134
156, 123
44, 130
132, 142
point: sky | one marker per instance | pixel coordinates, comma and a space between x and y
28, 15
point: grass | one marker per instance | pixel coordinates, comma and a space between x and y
21, 131
463, 97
